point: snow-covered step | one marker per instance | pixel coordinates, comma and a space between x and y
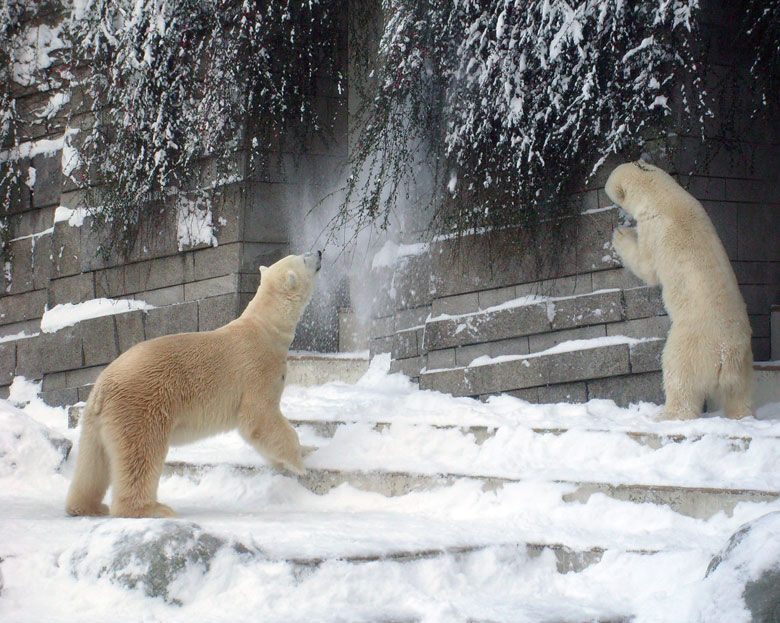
697, 502
326, 429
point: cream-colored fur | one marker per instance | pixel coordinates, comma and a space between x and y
180, 388
675, 245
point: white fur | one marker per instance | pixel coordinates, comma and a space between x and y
675, 245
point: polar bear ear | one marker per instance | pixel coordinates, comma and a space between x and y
292, 279
263, 269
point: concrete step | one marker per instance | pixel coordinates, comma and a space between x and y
766, 377
696, 502
305, 368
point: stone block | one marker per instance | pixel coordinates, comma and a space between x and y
216, 286
531, 371
43, 262
48, 179
249, 282
216, 261
655, 326
182, 318
563, 392
759, 298
594, 241
616, 278
586, 309
217, 311
66, 249
84, 392
774, 332
382, 327
724, 218
227, 210
413, 283
647, 356
380, 345
22, 279
643, 302
487, 326
253, 255
99, 340
49, 352
162, 297
74, 289
761, 347
410, 367
7, 362
20, 307
456, 305
753, 223
411, 318
438, 359
629, 389
267, 212
561, 286
491, 298
543, 341
464, 355
129, 329
83, 376
405, 344
61, 397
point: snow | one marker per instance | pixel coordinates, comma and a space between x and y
73, 216
306, 557
194, 225
68, 314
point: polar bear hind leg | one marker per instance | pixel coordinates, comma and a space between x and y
735, 383
688, 374
91, 478
137, 459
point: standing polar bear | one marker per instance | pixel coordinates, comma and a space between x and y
675, 245
180, 388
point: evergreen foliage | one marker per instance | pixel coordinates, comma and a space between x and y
174, 81
515, 104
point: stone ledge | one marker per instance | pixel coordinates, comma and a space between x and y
531, 371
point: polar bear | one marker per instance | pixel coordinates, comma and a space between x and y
180, 388
675, 245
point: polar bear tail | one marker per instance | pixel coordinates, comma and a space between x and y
92, 474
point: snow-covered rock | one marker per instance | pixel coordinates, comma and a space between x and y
163, 558
743, 580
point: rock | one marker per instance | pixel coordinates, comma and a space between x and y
163, 558
750, 564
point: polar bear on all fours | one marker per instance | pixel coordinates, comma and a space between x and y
180, 388
675, 245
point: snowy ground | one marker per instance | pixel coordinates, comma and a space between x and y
299, 556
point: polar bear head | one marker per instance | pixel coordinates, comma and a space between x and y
636, 186
291, 279
285, 290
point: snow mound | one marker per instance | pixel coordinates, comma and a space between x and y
28, 449
163, 558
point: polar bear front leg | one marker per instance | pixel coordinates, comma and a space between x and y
269, 432
626, 243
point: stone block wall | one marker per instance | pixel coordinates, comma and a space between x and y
191, 287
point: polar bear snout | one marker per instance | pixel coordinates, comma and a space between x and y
313, 261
